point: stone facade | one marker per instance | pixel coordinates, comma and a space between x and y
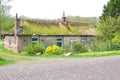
10, 42
19, 42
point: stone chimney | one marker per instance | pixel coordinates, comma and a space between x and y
63, 17
16, 25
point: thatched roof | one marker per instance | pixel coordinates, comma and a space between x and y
55, 27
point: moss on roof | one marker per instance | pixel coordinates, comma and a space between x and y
43, 27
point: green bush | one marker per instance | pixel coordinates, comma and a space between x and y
79, 48
62, 50
99, 46
66, 48
83, 49
34, 48
115, 46
38, 48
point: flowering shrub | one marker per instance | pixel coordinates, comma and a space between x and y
53, 49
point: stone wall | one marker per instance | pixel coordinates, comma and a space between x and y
67, 39
23, 41
10, 43
48, 40
18, 43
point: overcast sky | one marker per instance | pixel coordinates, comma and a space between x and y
52, 9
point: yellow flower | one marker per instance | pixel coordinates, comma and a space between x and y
52, 49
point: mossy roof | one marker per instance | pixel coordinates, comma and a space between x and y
45, 27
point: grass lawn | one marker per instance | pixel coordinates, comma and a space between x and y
5, 61
10, 57
85, 55
96, 54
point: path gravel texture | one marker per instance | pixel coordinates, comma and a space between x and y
104, 68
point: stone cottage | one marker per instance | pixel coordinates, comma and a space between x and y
66, 33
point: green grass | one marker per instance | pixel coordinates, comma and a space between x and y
97, 54
84, 55
1, 46
4, 61
10, 57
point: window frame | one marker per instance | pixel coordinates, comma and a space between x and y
83, 40
35, 41
60, 39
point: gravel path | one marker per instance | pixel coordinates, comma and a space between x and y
105, 68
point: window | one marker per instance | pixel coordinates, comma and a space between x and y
59, 41
35, 39
84, 40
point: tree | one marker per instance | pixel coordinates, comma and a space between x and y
111, 9
108, 27
4, 13
110, 22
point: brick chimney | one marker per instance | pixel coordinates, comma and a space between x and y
63, 17
16, 25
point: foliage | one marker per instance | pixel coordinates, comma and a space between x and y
4, 15
116, 37
53, 49
115, 46
78, 47
111, 9
66, 48
8, 23
110, 23
110, 29
34, 48
4, 7
99, 46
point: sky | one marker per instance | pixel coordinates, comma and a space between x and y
53, 9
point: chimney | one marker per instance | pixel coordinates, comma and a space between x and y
17, 25
63, 17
